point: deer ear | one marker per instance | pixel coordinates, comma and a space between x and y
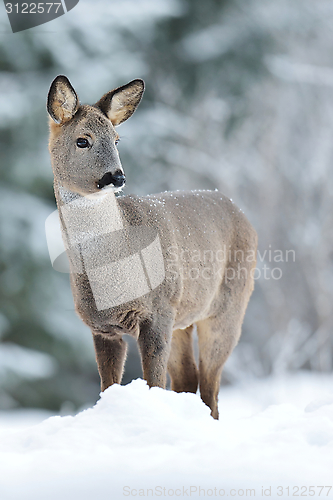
62, 100
119, 104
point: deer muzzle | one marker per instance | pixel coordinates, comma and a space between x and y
117, 180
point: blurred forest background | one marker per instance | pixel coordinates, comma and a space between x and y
239, 97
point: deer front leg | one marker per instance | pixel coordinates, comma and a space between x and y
154, 344
110, 357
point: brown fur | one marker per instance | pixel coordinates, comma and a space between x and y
188, 224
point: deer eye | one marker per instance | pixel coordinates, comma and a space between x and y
81, 142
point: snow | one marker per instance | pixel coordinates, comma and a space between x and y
149, 443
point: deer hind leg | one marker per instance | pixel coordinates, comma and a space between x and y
216, 340
110, 357
219, 334
181, 365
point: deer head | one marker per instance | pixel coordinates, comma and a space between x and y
83, 138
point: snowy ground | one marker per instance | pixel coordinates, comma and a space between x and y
274, 439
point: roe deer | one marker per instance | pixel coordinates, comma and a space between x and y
150, 266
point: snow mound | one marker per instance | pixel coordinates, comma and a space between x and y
136, 441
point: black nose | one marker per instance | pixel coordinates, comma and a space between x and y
117, 180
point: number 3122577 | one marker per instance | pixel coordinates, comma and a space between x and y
32, 8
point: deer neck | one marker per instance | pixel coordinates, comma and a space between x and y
64, 195
86, 217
